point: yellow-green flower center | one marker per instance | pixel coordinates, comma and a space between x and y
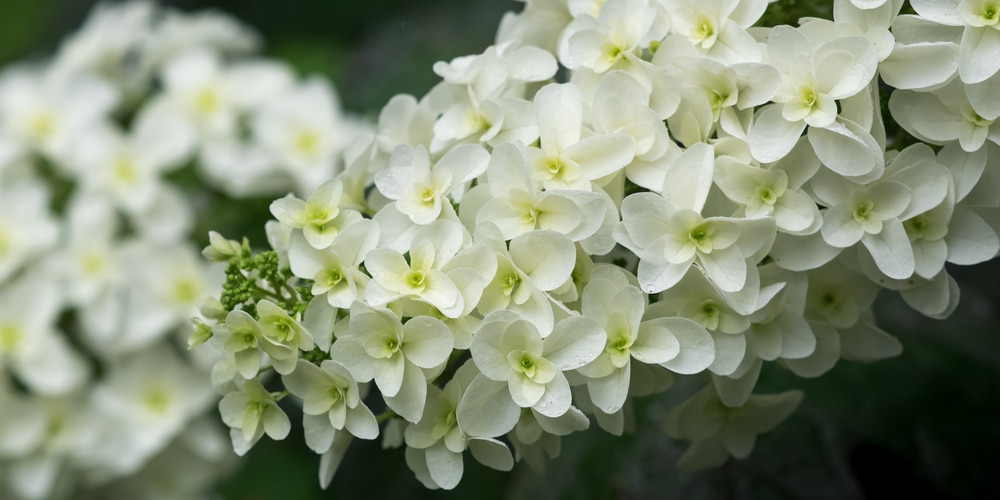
863, 210
206, 102
10, 337
510, 283
307, 142
186, 291
916, 227
157, 400
415, 279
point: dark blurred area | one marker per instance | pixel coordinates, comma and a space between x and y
925, 424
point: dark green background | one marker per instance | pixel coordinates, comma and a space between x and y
926, 423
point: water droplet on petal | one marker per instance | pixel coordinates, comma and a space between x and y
609, 410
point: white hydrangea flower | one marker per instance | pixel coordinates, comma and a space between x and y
520, 369
250, 412
393, 353
718, 431
617, 306
717, 28
334, 270
669, 234
815, 74
436, 443
566, 159
421, 192
320, 217
331, 403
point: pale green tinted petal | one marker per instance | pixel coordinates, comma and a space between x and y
487, 349
288, 210
337, 416
559, 110
464, 163
646, 217
845, 66
557, 398
800, 253
386, 266
735, 392
427, 342
823, 357
304, 378
939, 11
839, 227
389, 373
936, 298
866, 342
599, 367
797, 339
729, 352
891, 198
794, 211
891, 250
658, 276
361, 422
738, 442
348, 351
979, 54
318, 433
847, 148
601, 155
609, 393
319, 319
491, 453
445, 466
981, 97
929, 256
655, 343
442, 293
572, 421
524, 391
920, 66
248, 362
970, 239
486, 409
408, 401
276, 423
689, 178
232, 407
546, 256
697, 349
573, 343
304, 260
771, 136
727, 268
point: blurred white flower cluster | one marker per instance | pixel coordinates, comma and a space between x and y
616, 192
99, 276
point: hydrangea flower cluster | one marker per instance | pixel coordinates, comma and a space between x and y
617, 192
99, 275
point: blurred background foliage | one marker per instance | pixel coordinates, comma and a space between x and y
924, 424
